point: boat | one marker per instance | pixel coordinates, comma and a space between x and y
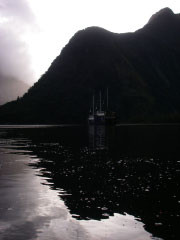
100, 117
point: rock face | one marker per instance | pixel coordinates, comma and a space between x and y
141, 70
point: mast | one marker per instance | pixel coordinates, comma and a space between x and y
93, 105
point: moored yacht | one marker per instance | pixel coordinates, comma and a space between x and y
101, 117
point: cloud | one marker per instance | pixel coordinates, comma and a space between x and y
16, 21
17, 10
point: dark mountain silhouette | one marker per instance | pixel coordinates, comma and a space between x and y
11, 88
141, 70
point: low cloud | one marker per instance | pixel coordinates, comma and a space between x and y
16, 20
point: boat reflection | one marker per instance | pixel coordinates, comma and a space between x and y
97, 139
100, 137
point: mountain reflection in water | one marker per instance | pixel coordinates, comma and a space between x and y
101, 171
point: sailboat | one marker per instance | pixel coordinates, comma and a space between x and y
100, 117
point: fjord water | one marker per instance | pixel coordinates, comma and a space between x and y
79, 182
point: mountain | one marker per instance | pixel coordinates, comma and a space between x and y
141, 70
11, 88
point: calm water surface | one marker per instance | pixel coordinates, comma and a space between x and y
74, 182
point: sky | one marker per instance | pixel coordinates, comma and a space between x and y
33, 32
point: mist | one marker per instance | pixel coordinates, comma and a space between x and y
16, 74
16, 20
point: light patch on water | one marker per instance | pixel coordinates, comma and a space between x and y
38, 213
124, 227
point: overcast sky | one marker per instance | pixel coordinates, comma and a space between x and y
33, 32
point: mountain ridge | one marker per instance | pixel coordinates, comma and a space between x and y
140, 69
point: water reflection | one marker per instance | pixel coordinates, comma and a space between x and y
131, 169
101, 137
97, 139
29, 209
